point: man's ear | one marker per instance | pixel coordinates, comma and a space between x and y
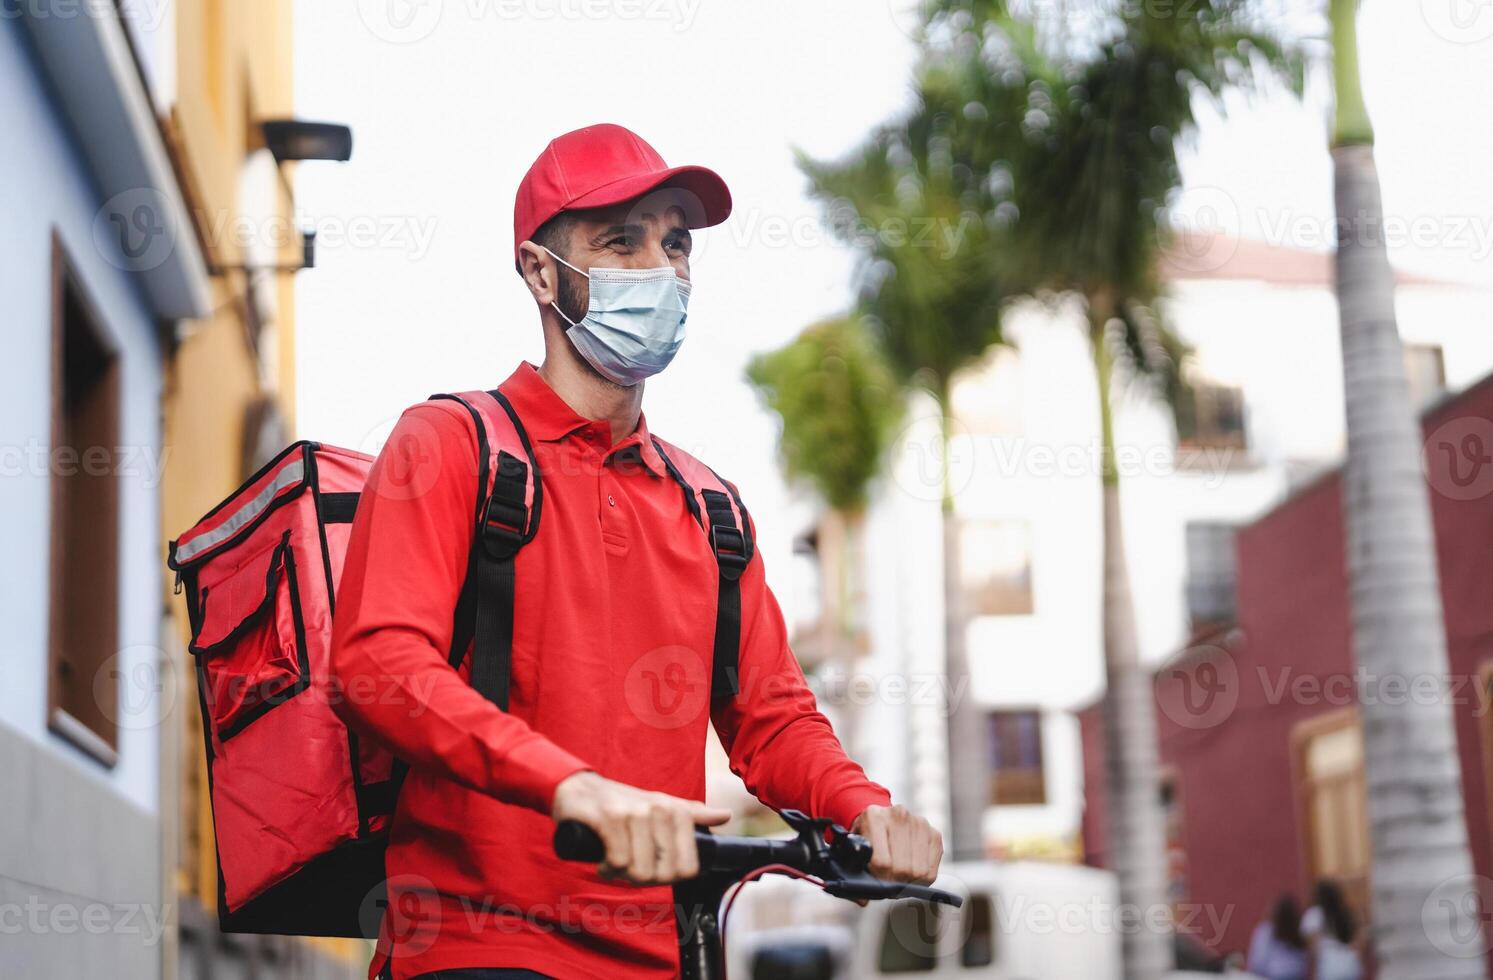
539, 272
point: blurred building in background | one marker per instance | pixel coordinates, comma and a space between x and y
1261, 746
1263, 416
95, 282
152, 341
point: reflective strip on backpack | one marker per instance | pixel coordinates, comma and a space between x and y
292, 474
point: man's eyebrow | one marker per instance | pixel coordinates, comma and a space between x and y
633, 229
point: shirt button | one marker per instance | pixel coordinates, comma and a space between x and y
612, 500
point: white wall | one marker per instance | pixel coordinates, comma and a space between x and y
1278, 344
47, 188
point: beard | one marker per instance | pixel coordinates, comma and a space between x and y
573, 305
570, 300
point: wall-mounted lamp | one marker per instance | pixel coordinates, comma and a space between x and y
295, 139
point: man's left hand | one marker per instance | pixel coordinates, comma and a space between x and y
904, 847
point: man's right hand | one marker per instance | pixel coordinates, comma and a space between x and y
649, 837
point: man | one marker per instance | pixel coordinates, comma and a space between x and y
615, 608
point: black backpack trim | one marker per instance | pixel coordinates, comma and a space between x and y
733, 547
507, 518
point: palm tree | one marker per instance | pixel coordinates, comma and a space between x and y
930, 297
1089, 182
839, 406
1423, 888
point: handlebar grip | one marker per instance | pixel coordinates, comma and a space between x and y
574, 841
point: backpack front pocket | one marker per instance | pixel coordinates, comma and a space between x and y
251, 643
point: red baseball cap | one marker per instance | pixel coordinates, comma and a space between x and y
603, 165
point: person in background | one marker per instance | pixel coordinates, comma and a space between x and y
1278, 950
1332, 932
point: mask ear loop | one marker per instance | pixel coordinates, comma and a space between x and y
553, 305
564, 263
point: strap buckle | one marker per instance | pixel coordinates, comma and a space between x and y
506, 519
730, 550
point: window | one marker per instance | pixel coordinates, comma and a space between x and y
1426, 370
1016, 754
84, 614
979, 943
1210, 573
909, 938
1211, 416
996, 558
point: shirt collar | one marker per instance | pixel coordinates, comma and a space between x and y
548, 418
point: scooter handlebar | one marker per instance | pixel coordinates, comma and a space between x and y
574, 841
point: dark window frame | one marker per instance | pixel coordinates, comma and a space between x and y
1021, 782
95, 733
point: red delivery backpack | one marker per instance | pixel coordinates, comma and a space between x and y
301, 804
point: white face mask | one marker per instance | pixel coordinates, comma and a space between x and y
634, 323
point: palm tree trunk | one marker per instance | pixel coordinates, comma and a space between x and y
1137, 830
1424, 892
970, 772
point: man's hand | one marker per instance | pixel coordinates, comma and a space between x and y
904, 847
650, 837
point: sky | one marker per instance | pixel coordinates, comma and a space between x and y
451, 100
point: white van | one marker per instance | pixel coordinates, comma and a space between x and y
1021, 920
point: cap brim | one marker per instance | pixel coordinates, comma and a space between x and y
702, 194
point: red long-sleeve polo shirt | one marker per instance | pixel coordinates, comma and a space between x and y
612, 643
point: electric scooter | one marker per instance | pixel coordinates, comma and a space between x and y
824, 852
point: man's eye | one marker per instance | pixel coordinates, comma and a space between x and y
621, 241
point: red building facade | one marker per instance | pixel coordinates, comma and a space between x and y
1260, 746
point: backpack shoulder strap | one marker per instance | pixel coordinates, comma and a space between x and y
717, 508
510, 496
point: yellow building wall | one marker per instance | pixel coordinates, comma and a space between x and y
234, 61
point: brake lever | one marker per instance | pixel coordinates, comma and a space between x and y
842, 858
859, 887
